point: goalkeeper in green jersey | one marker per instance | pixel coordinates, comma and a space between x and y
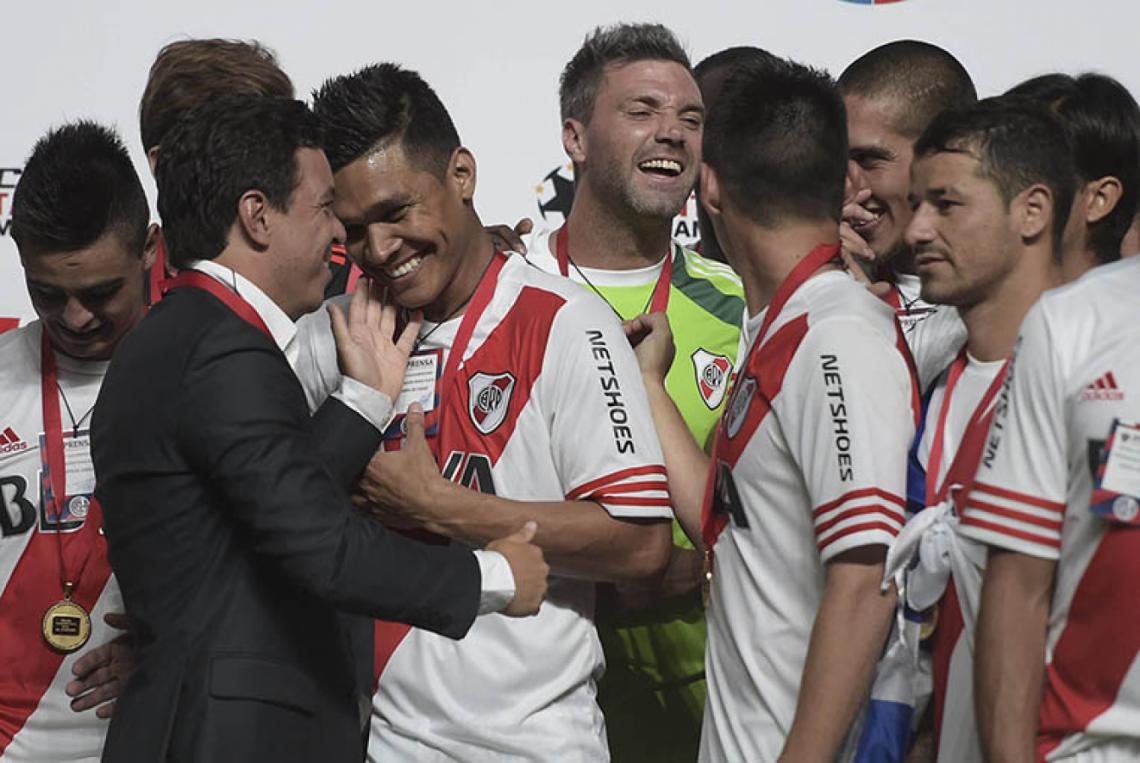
632, 120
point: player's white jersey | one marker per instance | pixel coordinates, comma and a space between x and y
953, 640
934, 333
1075, 372
811, 461
568, 419
36, 720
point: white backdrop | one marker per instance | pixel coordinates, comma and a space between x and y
495, 65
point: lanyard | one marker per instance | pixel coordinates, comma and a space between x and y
712, 524
657, 303
475, 308
230, 298
54, 473
973, 438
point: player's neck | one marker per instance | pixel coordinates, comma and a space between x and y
473, 262
992, 324
765, 257
603, 237
1075, 264
256, 267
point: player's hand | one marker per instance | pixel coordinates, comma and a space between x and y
528, 567
510, 239
102, 672
394, 486
683, 575
652, 341
366, 344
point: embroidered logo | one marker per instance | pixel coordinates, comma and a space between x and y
712, 373
488, 397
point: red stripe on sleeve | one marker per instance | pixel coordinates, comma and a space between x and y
1013, 495
856, 512
1053, 525
632, 501
635, 487
863, 493
1009, 532
613, 477
859, 528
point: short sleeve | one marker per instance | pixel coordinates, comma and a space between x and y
602, 437
846, 413
1018, 498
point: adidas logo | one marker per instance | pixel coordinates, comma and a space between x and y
1104, 388
10, 442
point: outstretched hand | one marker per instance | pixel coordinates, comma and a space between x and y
366, 343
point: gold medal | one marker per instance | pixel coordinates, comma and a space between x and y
929, 624
66, 625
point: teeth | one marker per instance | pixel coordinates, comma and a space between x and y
407, 267
662, 164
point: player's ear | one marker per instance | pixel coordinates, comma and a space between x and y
152, 159
1032, 212
1101, 197
150, 248
253, 213
461, 172
709, 191
574, 140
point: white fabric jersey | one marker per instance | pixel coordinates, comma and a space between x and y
958, 739
571, 422
934, 333
1076, 370
811, 461
36, 720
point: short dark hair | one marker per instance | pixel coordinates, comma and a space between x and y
78, 185
1017, 142
714, 69
378, 105
617, 44
1103, 123
777, 139
923, 79
188, 72
219, 151
711, 74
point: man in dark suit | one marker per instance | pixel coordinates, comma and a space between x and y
233, 542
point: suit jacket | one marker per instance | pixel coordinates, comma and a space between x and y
235, 544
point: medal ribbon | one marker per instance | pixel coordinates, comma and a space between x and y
29, 593
54, 476
965, 461
193, 279
479, 301
712, 524
660, 300
387, 634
